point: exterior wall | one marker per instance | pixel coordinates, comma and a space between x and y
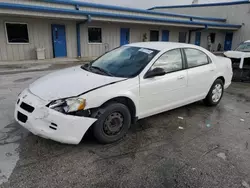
219, 38
111, 36
75, 10
235, 14
39, 36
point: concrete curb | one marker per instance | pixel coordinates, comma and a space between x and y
32, 67
20, 64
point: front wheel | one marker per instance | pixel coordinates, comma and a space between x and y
113, 122
215, 93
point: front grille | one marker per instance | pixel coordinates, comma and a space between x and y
27, 107
21, 117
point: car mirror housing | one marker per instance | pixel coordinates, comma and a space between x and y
155, 72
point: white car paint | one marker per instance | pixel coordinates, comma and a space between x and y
150, 96
238, 55
74, 80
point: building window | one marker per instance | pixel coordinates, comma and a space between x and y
154, 35
95, 35
182, 37
212, 36
17, 33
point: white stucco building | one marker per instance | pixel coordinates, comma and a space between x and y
79, 29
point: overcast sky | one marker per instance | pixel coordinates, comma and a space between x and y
150, 3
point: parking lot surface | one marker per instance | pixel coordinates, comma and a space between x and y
192, 146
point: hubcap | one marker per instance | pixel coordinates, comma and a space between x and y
113, 124
216, 93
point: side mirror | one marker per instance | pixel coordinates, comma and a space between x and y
155, 72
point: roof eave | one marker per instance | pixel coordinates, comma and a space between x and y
13, 6
202, 5
112, 7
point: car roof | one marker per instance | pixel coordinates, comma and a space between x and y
247, 41
161, 45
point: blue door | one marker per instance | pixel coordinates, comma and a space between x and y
228, 41
124, 36
198, 38
59, 40
165, 35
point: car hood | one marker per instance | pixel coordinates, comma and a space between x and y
237, 54
69, 82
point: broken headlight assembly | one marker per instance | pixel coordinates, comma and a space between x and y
68, 105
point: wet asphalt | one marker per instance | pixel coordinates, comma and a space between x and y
192, 146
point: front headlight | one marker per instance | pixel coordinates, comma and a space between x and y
68, 105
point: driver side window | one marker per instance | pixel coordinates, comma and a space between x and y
170, 61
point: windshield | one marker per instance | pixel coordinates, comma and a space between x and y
244, 47
126, 61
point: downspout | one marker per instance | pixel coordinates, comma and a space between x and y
78, 35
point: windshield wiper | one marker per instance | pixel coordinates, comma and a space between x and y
101, 70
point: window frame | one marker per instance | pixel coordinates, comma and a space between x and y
101, 35
186, 61
7, 37
182, 58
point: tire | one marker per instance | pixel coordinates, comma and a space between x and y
113, 122
214, 96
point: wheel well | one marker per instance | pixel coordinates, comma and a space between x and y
221, 78
127, 102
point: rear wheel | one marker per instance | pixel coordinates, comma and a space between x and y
215, 93
113, 122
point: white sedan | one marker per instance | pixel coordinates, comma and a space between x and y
126, 84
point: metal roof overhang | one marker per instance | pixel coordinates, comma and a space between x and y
136, 10
117, 17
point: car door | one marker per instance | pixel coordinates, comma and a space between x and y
160, 93
201, 73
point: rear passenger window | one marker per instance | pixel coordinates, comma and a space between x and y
196, 58
170, 61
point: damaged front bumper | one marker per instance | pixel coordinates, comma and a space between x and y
31, 112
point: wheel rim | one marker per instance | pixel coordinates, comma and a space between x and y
217, 93
113, 124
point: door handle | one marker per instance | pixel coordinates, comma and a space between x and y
211, 70
180, 77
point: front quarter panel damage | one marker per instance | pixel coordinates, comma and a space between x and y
128, 88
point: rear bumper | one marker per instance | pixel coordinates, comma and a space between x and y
48, 123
